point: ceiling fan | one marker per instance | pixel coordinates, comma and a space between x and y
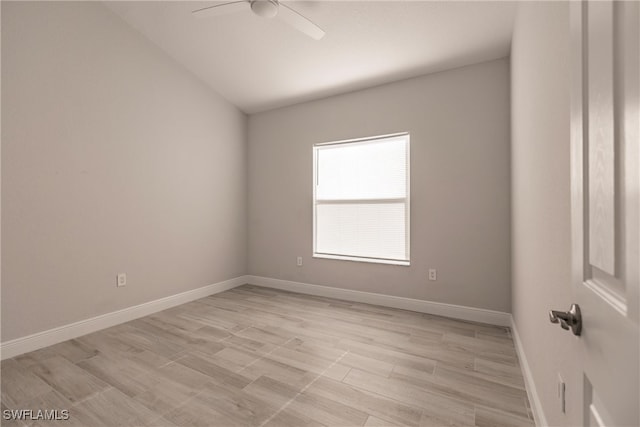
265, 9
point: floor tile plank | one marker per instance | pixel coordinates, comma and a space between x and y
68, 379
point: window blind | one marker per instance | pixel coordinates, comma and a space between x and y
361, 199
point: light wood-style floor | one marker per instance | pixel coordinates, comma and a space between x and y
253, 356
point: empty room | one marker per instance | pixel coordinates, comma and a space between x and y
320, 213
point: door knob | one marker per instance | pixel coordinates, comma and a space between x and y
571, 319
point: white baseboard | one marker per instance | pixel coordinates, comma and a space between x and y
448, 310
63, 333
532, 393
53, 336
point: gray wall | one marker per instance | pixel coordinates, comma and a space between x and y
460, 215
114, 159
540, 168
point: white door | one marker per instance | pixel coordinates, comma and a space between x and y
605, 133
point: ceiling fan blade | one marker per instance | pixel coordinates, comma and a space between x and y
299, 22
221, 9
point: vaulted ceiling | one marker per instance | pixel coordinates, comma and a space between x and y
261, 63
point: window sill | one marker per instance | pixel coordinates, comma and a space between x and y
362, 259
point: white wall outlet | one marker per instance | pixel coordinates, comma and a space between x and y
562, 388
299, 261
433, 274
121, 279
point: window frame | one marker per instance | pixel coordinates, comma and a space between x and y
406, 200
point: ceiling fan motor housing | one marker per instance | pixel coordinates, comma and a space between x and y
265, 8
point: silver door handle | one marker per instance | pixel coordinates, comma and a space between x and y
571, 319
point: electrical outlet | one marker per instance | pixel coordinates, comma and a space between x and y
121, 279
433, 274
562, 388
299, 261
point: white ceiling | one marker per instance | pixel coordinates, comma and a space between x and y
260, 64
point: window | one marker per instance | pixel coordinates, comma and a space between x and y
361, 200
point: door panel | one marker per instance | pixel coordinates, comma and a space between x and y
599, 80
605, 188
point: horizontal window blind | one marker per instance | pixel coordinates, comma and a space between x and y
361, 199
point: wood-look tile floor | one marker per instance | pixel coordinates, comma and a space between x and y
259, 357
